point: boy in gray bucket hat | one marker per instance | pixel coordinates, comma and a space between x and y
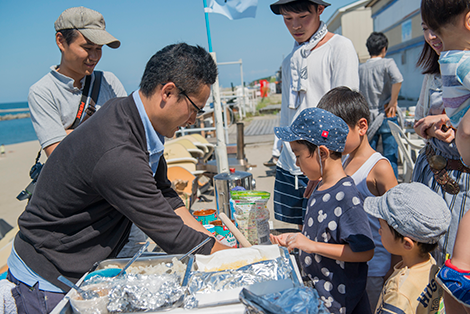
412, 219
336, 241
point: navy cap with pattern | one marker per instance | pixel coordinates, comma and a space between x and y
319, 127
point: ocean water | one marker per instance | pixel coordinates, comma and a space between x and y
16, 130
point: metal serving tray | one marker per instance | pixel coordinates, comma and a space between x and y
147, 259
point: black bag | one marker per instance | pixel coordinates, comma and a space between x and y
90, 110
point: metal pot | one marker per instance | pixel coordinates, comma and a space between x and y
225, 182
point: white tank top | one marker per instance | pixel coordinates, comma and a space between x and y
380, 263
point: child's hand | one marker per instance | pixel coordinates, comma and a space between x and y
298, 241
279, 239
292, 241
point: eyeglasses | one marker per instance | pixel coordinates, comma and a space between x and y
199, 111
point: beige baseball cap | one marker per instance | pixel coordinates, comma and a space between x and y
88, 22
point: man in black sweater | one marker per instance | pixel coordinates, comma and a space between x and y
109, 173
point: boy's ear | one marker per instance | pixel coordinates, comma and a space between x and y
320, 9
60, 41
363, 126
408, 244
324, 152
467, 21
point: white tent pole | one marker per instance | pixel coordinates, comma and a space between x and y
221, 148
243, 90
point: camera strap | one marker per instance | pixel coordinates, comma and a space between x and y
90, 110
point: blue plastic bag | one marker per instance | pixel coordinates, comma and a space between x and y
297, 300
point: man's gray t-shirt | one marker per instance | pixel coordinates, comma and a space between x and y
376, 77
53, 102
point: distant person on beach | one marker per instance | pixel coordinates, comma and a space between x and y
2, 150
380, 83
110, 173
319, 61
54, 100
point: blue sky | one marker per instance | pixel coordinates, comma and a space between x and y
145, 26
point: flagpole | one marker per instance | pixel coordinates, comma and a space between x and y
208, 29
221, 147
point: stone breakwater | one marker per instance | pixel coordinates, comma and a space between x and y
15, 116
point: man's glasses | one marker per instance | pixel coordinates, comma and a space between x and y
199, 111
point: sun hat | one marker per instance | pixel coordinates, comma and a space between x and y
413, 210
275, 7
88, 22
319, 127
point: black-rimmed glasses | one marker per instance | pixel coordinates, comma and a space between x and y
199, 111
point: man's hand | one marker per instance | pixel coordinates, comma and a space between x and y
391, 109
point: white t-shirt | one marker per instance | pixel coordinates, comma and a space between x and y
333, 64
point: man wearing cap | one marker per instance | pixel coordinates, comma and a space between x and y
57, 101
54, 100
319, 61
412, 220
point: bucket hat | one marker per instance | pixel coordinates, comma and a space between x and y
276, 5
88, 22
319, 127
413, 210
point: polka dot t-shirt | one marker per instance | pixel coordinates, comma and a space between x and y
336, 216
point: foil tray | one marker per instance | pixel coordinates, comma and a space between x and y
146, 259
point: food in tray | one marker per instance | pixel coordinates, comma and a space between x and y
148, 285
99, 305
234, 265
236, 258
159, 269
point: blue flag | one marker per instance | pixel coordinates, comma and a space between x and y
233, 9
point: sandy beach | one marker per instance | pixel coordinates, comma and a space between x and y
14, 170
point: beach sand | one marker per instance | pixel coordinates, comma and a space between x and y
14, 170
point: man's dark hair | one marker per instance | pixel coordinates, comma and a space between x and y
188, 67
424, 248
439, 13
312, 148
428, 60
298, 6
347, 104
376, 42
69, 34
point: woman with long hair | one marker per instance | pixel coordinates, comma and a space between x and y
438, 165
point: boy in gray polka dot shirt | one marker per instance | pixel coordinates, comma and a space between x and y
336, 241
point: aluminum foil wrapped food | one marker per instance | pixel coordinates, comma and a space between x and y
135, 292
209, 282
144, 288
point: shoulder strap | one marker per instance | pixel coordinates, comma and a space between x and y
90, 110
83, 99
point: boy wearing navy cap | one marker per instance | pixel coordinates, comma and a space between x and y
336, 241
412, 219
